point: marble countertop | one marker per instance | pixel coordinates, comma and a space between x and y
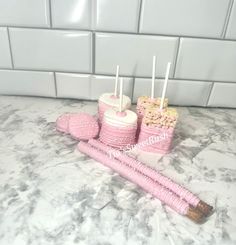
53, 195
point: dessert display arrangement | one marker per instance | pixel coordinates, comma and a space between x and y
106, 136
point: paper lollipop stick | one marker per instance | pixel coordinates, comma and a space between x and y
153, 76
121, 95
165, 85
116, 83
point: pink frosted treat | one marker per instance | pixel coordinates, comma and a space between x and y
83, 126
118, 128
157, 130
62, 123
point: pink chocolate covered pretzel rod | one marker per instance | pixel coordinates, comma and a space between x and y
179, 190
163, 194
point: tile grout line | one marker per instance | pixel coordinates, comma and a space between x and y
10, 48
209, 95
112, 75
139, 15
176, 57
226, 23
93, 14
55, 82
95, 100
124, 33
93, 46
90, 87
93, 55
50, 13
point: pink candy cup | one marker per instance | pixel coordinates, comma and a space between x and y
83, 126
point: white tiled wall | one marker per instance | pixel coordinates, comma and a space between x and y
71, 14
32, 13
202, 18
180, 92
206, 59
5, 55
229, 92
27, 83
133, 53
75, 86
103, 84
51, 49
86, 86
231, 30
70, 49
117, 15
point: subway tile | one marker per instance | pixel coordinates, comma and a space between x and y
5, 56
206, 59
231, 29
117, 15
223, 95
71, 14
76, 86
51, 49
105, 84
32, 13
32, 83
179, 92
133, 53
184, 17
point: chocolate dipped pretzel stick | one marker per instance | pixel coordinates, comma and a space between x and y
146, 183
179, 190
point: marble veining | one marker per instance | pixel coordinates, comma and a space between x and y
50, 194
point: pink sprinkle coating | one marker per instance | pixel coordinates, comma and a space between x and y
146, 183
62, 122
163, 180
159, 139
83, 126
117, 137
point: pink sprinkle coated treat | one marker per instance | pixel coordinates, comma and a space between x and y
146, 183
117, 137
62, 123
157, 140
157, 130
179, 190
83, 126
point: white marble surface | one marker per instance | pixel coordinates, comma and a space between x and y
52, 195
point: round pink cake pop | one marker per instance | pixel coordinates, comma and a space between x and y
83, 126
62, 122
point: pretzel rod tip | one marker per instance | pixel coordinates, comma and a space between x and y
195, 215
205, 208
